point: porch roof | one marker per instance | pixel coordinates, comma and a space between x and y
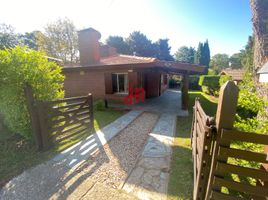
123, 62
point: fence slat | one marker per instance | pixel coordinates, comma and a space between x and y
235, 135
220, 196
223, 169
224, 153
253, 190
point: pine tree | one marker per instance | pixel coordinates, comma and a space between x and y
197, 57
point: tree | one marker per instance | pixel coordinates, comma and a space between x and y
205, 54
8, 37
197, 57
140, 45
30, 39
163, 50
185, 54
247, 56
236, 61
60, 40
219, 62
202, 55
259, 10
119, 43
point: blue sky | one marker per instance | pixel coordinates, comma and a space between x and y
225, 23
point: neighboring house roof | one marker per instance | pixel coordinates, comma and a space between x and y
236, 74
121, 61
263, 69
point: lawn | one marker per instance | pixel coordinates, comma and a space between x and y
17, 154
181, 175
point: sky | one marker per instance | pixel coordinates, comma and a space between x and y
225, 23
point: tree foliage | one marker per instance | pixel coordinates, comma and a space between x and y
236, 61
119, 43
8, 37
138, 44
185, 54
202, 55
19, 66
60, 40
163, 50
219, 62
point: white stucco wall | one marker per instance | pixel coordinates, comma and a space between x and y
263, 78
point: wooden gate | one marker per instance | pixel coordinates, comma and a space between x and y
216, 174
202, 133
54, 121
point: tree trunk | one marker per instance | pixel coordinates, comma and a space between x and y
260, 27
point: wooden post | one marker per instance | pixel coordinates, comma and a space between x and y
225, 116
42, 110
184, 90
91, 116
28, 91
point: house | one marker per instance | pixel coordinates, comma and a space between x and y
107, 75
263, 73
236, 74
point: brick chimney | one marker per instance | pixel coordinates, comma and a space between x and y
89, 46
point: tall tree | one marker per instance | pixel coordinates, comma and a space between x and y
248, 56
119, 43
260, 27
205, 53
163, 50
185, 54
140, 45
197, 57
219, 62
60, 40
8, 37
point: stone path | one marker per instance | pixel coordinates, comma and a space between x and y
149, 179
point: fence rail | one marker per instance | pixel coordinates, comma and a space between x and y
218, 172
54, 121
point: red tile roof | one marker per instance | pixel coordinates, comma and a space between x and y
236, 74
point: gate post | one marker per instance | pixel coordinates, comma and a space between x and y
225, 117
184, 91
28, 91
90, 104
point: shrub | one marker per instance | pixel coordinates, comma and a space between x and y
19, 66
193, 82
99, 105
224, 79
210, 84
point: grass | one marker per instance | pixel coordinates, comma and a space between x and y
18, 154
181, 175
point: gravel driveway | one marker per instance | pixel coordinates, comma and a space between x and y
99, 177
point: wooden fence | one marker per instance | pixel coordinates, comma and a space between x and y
54, 121
218, 172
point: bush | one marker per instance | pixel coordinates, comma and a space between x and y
210, 84
193, 82
224, 79
99, 105
19, 66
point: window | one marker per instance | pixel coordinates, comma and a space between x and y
120, 83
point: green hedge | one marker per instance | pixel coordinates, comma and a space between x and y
19, 66
210, 84
224, 79
193, 82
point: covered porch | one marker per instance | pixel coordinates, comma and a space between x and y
153, 79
